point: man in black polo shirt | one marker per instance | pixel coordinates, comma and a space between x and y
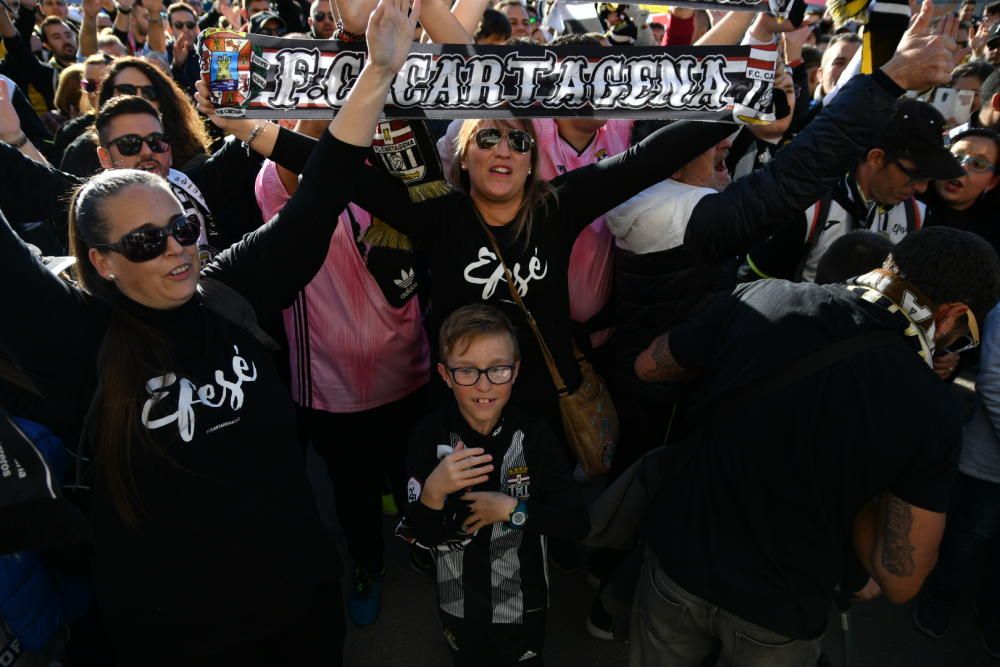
747, 543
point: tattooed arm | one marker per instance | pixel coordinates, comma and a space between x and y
898, 543
657, 364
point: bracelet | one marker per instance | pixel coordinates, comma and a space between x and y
123, 10
254, 134
18, 143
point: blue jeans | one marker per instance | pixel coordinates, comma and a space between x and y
973, 522
673, 628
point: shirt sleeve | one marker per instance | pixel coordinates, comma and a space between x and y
927, 484
693, 342
270, 265
420, 524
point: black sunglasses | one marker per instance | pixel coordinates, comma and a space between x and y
489, 138
322, 16
130, 144
143, 245
147, 92
180, 25
88, 85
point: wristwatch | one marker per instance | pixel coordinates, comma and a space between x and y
518, 515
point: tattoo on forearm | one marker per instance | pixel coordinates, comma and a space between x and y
897, 552
666, 366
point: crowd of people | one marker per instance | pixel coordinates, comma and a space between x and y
776, 310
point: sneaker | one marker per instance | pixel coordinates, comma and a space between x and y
365, 598
389, 507
932, 615
600, 624
421, 561
989, 632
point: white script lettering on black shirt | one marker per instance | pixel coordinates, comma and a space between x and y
189, 395
536, 271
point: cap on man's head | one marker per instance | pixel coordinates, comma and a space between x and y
261, 19
917, 133
993, 36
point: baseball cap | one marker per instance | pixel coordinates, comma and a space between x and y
917, 133
994, 34
260, 19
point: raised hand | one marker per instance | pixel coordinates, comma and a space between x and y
91, 8
10, 123
390, 33
926, 56
462, 469
181, 47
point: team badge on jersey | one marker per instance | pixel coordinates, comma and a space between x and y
518, 482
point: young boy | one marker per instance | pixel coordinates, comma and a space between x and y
488, 481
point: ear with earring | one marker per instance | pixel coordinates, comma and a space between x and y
111, 276
464, 168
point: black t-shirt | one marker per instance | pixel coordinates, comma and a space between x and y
980, 218
759, 521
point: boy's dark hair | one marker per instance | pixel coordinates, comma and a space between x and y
980, 69
121, 106
493, 23
949, 266
811, 56
992, 9
990, 88
576, 39
471, 322
982, 132
853, 254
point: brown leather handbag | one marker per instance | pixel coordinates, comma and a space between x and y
589, 418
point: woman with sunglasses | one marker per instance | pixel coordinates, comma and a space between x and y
534, 223
208, 549
134, 76
94, 69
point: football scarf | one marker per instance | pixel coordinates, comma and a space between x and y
901, 298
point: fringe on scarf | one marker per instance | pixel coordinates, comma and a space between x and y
381, 235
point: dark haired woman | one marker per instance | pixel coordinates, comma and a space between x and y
189, 139
208, 549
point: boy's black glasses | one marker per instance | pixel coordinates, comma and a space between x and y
489, 138
130, 144
466, 377
143, 245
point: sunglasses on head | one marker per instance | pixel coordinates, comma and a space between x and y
130, 144
973, 163
322, 16
89, 86
146, 92
143, 245
489, 138
969, 340
180, 25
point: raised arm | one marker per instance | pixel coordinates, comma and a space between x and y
272, 264
469, 13
441, 25
729, 223
591, 191
88, 29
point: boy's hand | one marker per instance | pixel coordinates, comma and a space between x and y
459, 470
488, 507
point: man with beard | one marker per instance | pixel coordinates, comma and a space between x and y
26, 70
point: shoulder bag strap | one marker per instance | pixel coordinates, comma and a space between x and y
549, 359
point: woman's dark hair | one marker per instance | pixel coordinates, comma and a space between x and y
949, 266
493, 24
132, 351
188, 136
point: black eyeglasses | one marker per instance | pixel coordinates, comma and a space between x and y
489, 138
914, 176
466, 377
146, 92
130, 144
180, 25
143, 245
322, 16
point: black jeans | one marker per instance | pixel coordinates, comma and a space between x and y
361, 449
973, 522
495, 645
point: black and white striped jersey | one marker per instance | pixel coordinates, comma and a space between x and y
499, 573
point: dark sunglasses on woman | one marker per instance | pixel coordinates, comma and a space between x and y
489, 138
89, 86
143, 245
146, 92
130, 144
180, 25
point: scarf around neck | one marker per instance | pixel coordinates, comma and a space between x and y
901, 298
